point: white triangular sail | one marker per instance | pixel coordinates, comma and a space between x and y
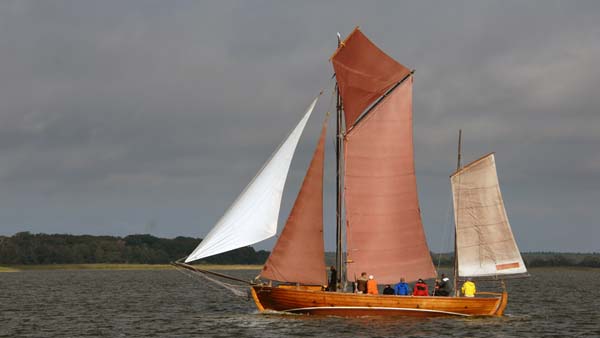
253, 216
485, 243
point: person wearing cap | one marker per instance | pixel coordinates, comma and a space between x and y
468, 288
420, 288
372, 286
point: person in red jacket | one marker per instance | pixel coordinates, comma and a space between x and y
420, 288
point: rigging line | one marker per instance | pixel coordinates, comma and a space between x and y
193, 276
331, 106
230, 287
445, 238
197, 275
193, 268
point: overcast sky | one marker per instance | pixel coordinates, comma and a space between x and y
123, 117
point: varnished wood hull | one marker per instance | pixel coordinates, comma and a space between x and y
297, 300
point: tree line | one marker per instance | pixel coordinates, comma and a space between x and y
538, 259
25, 248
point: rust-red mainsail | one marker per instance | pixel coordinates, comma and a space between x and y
384, 231
299, 254
364, 73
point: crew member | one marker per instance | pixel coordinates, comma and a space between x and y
401, 289
361, 283
468, 288
420, 288
372, 286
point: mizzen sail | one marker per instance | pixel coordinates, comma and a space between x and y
253, 216
385, 235
299, 254
484, 240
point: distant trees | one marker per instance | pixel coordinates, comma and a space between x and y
26, 248
537, 259
548, 259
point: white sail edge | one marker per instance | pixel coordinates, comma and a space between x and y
486, 246
253, 215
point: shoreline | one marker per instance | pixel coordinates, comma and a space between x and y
103, 266
124, 266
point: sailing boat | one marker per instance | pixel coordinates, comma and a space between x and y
383, 229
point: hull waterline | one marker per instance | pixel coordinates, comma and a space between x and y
300, 300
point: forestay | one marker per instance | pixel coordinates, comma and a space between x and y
253, 216
485, 243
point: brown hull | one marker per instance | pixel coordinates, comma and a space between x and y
298, 300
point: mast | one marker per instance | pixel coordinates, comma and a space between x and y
338, 170
455, 226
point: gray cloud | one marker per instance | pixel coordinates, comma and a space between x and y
122, 117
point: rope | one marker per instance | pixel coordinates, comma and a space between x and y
445, 238
235, 289
331, 106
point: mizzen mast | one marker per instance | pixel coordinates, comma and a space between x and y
455, 285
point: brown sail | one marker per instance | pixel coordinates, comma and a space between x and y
384, 231
364, 73
299, 254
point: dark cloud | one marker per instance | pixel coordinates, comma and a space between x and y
122, 117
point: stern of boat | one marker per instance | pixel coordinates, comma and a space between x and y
502, 305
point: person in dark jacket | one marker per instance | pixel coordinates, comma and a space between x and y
388, 290
402, 289
441, 286
420, 288
332, 279
361, 283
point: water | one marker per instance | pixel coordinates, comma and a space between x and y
552, 303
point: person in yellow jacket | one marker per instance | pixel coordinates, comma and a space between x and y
372, 286
468, 288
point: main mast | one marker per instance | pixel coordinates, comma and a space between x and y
338, 153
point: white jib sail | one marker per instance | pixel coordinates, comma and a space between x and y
253, 216
484, 240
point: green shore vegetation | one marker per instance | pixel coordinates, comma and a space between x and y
27, 251
107, 266
25, 248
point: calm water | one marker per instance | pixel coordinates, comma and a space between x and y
560, 303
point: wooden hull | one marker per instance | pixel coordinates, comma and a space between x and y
302, 300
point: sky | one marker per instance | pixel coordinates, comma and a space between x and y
139, 116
